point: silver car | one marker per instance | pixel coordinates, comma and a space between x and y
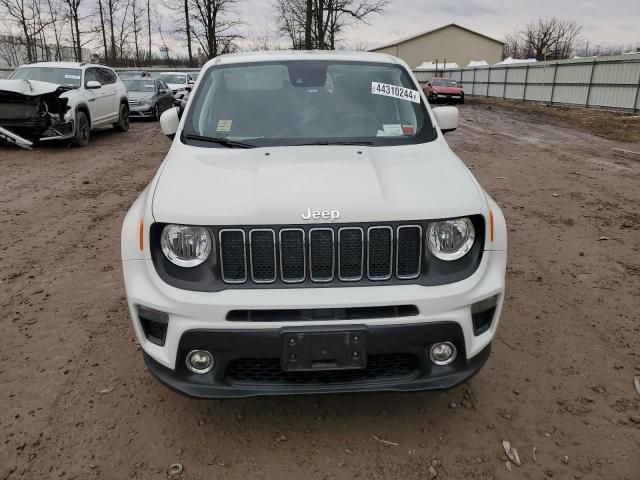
148, 97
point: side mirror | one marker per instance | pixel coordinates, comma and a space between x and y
93, 84
169, 122
447, 118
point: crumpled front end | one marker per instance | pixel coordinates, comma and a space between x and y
34, 116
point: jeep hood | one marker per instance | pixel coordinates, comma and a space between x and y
221, 186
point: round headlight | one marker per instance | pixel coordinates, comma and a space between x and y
450, 239
186, 246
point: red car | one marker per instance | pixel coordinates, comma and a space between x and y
445, 89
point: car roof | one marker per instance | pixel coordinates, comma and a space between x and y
284, 55
80, 65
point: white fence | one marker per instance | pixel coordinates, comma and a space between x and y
599, 82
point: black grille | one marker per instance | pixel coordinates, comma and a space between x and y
269, 371
380, 262
263, 255
233, 256
409, 251
351, 254
322, 314
292, 259
321, 256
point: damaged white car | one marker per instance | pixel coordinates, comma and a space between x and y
60, 100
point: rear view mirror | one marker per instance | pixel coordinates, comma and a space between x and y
447, 118
169, 122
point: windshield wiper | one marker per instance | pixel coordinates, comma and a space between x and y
220, 141
326, 142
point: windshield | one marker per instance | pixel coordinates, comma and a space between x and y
444, 82
60, 76
140, 85
131, 73
308, 102
173, 78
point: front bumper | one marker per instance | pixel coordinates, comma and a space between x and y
205, 313
141, 111
247, 363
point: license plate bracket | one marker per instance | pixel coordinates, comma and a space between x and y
305, 351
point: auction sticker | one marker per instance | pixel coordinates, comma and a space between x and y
224, 125
395, 91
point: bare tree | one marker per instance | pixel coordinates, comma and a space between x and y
308, 25
321, 27
550, 38
55, 10
137, 16
149, 28
103, 28
513, 45
11, 48
26, 17
182, 30
214, 25
292, 17
74, 17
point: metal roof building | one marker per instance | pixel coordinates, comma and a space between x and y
451, 42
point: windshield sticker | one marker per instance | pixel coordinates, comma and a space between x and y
395, 91
392, 129
224, 125
408, 130
149, 85
73, 77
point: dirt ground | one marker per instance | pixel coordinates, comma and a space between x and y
624, 127
76, 401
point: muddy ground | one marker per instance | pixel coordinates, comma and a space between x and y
77, 402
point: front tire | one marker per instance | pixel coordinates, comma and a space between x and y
156, 112
461, 99
122, 125
83, 129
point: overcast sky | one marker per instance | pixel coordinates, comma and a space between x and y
608, 23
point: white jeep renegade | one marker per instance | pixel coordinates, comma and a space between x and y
311, 231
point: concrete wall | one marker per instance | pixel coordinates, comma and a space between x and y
453, 43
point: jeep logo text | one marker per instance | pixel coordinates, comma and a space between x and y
321, 214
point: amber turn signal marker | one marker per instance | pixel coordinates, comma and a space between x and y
490, 226
142, 234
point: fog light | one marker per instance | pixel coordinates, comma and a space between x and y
443, 353
199, 361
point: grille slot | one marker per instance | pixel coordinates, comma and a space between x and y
323, 314
409, 251
292, 257
380, 258
389, 366
350, 254
321, 254
263, 255
233, 258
